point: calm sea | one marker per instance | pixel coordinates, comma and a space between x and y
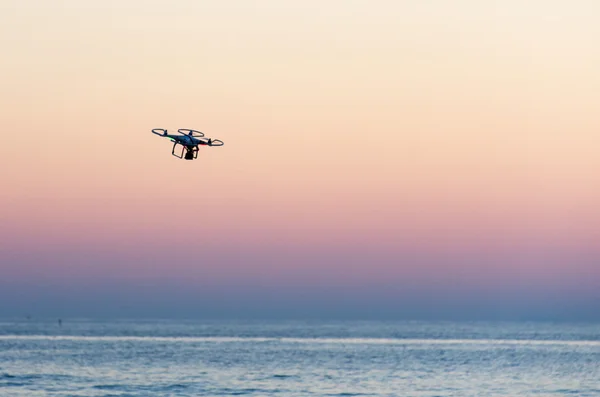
227, 358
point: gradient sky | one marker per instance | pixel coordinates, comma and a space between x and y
387, 159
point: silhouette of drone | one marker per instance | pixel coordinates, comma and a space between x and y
189, 140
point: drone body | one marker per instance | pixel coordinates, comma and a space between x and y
190, 140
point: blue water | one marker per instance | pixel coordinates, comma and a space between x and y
226, 358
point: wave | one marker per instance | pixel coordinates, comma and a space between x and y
20, 377
348, 394
282, 376
108, 387
241, 392
352, 341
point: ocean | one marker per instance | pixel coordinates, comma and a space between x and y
297, 358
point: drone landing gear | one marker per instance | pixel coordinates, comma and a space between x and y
191, 152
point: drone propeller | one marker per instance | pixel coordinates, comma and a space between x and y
215, 142
211, 142
159, 131
192, 133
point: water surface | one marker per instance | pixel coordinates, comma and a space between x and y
223, 358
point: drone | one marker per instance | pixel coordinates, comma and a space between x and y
189, 140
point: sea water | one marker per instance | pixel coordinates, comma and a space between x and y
293, 358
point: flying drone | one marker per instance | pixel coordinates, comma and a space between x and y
189, 140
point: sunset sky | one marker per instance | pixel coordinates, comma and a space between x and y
389, 159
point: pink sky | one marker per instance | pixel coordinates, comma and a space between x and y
365, 142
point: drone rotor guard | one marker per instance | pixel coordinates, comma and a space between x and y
162, 132
211, 142
216, 142
189, 132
